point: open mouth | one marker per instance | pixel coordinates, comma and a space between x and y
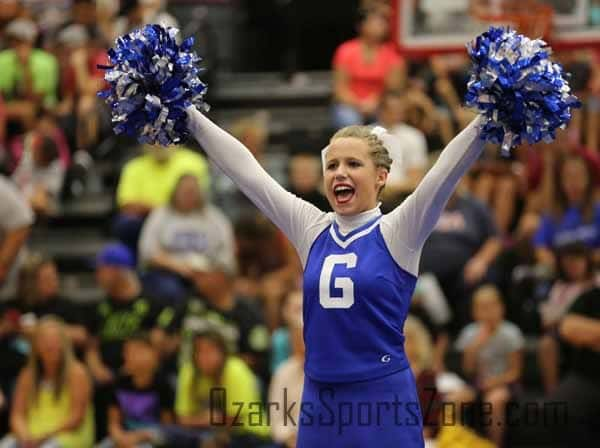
343, 193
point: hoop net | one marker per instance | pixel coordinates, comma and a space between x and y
530, 18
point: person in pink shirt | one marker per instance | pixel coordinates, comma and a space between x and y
363, 68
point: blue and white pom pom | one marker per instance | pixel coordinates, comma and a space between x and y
152, 81
522, 94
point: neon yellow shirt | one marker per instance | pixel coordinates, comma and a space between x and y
147, 181
44, 75
239, 385
47, 413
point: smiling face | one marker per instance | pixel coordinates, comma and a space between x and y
352, 180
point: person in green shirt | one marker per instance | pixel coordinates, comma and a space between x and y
218, 391
29, 75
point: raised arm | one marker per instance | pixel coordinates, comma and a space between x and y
407, 227
288, 212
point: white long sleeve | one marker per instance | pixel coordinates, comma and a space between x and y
299, 220
406, 228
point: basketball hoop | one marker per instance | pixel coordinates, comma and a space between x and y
531, 18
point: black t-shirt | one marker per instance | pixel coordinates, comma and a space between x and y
459, 233
68, 311
243, 326
114, 321
141, 406
13, 349
586, 361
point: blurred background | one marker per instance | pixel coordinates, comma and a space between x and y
166, 280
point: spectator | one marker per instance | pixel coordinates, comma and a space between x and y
406, 173
492, 356
269, 265
363, 68
465, 234
29, 76
196, 404
52, 402
305, 180
281, 345
147, 181
38, 297
575, 276
286, 385
238, 319
182, 238
419, 351
579, 389
40, 175
123, 313
15, 219
80, 80
141, 400
575, 217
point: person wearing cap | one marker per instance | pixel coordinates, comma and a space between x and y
29, 75
124, 312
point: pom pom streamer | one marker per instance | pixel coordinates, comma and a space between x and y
152, 80
521, 92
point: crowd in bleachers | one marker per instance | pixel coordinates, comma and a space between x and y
201, 293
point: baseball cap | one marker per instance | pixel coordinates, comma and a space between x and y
115, 254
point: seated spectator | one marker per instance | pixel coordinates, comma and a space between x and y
196, 399
15, 220
40, 175
419, 351
579, 389
147, 181
268, 265
492, 356
281, 344
363, 68
286, 386
38, 297
466, 234
124, 312
186, 236
52, 403
305, 179
575, 276
13, 353
405, 174
29, 76
575, 217
239, 320
80, 81
141, 401
46, 126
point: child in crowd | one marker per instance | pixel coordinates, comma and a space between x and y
492, 355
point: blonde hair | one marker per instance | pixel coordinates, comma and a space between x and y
35, 364
414, 329
378, 152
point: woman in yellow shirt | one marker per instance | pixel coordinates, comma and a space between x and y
217, 391
52, 399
